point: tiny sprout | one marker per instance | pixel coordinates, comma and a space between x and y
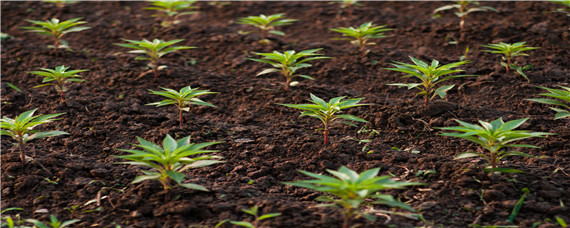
172, 9
266, 24
494, 136
10, 222
288, 63
465, 9
347, 4
429, 75
20, 128
169, 161
61, 3
153, 50
329, 112
509, 51
53, 223
563, 95
183, 99
58, 77
252, 211
57, 29
351, 189
361, 35
565, 3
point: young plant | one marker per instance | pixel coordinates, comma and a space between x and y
58, 77
21, 128
53, 223
351, 190
493, 137
252, 211
348, 4
57, 29
361, 35
172, 9
429, 75
509, 51
153, 51
266, 24
182, 99
170, 161
8, 221
465, 8
566, 9
563, 96
61, 3
329, 112
288, 63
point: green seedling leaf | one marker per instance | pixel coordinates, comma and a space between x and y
56, 29
493, 137
168, 162
429, 75
181, 99
349, 190
266, 24
328, 112
288, 63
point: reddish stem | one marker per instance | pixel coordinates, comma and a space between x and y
326, 134
180, 116
61, 96
22, 156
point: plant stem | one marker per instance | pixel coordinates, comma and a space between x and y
426, 96
180, 116
493, 160
21, 145
61, 96
263, 34
326, 134
362, 46
508, 64
287, 83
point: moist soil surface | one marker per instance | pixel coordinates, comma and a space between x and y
265, 143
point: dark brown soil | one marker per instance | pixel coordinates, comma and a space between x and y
265, 144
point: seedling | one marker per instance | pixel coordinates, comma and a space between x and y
518, 206
351, 190
20, 128
348, 4
329, 112
563, 95
521, 70
53, 223
170, 161
494, 136
10, 222
61, 3
288, 63
266, 24
182, 99
5, 36
430, 76
153, 51
58, 77
252, 211
508, 51
361, 35
565, 10
465, 8
57, 29
172, 9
